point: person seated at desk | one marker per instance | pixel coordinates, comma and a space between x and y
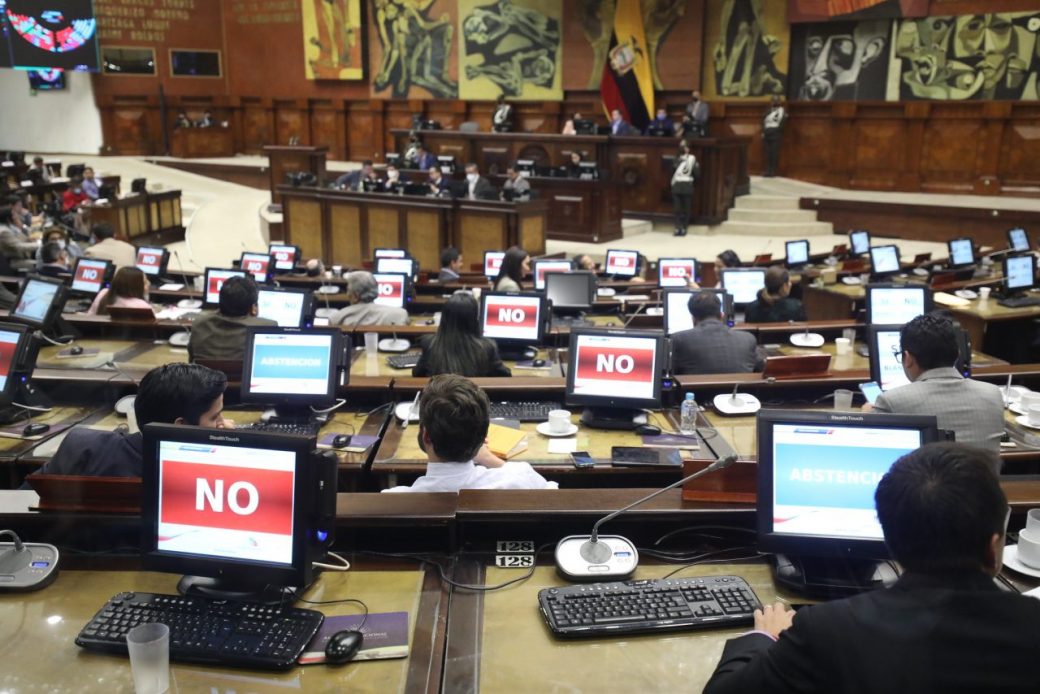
182, 120
107, 247
58, 236
453, 425
516, 265
972, 410
129, 289
478, 187
573, 167
585, 262
74, 196
424, 161
944, 626
354, 180
55, 260
91, 184
516, 187
170, 394
362, 291
774, 305
728, 258
206, 121
221, 334
38, 171
393, 180
619, 126
15, 246
711, 346
457, 347
451, 265
661, 124
568, 126
438, 184
21, 217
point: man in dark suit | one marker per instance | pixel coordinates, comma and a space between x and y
478, 187
619, 126
439, 185
352, 180
944, 626
55, 260
711, 347
424, 161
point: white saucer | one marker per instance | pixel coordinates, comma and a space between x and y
606, 291
328, 289
1011, 561
920, 272
807, 340
967, 294
851, 279
1017, 408
543, 429
189, 303
180, 339
1024, 421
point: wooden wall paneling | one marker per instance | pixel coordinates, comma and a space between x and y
327, 126
876, 147
135, 127
1020, 150
307, 230
397, 114
916, 115
631, 168
257, 125
808, 145
743, 119
425, 235
532, 234
345, 234
291, 119
477, 232
361, 124
449, 113
987, 178
951, 146
384, 228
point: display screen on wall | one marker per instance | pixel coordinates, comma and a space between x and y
116, 60
46, 80
194, 63
58, 34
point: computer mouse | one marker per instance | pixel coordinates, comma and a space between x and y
75, 350
429, 321
538, 362
341, 441
35, 429
343, 646
648, 430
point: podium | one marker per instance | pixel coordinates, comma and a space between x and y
284, 158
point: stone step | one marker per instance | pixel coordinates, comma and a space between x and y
634, 227
751, 214
766, 202
792, 230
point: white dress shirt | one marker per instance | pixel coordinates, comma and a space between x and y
451, 477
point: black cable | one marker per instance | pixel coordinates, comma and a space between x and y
364, 614
698, 528
701, 559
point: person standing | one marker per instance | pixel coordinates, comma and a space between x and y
772, 130
682, 187
502, 119
697, 113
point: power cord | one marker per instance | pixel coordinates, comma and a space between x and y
340, 402
756, 555
364, 615
344, 566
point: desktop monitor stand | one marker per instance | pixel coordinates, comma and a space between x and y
516, 353
292, 414
612, 418
837, 577
237, 591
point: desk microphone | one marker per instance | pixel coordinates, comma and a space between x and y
634, 314
185, 303
328, 311
394, 344
736, 403
612, 557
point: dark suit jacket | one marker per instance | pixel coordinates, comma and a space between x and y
427, 162
216, 336
712, 348
495, 365
93, 453
927, 634
780, 311
483, 190
54, 271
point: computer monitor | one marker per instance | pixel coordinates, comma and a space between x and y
90, 276
446, 163
859, 242
139, 185
39, 302
570, 291
677, 315
16, 361
258, 265
292, 368
797, 253
886, 363
543, 267
743, 283
285, 257
962, 252
621, 263
493, 263
393, 288
584, 126
588, 171
152, 260
404, 266
215, 278
515, 321
389, 253
525, 167
1019, 273
289, 308
895, 304
250, 511
817, 475
1018, 239
884, 260
676, 272
614, 373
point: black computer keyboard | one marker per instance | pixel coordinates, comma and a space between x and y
293, 428
203, 630
1020, 301
523, 411
403, 361
633, 607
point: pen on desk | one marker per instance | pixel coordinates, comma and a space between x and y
411, 410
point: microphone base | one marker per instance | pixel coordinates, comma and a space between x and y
744, 404
571, 565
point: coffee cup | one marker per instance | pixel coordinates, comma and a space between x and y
1028, 399
559, 421
842, 346
984, 293
1029, 548
1033, 415
1033, 520
1014, 393
337, 270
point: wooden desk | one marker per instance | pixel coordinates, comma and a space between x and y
202, 142
150, 218
283, 159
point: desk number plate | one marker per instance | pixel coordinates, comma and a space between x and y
514, 561
517, 546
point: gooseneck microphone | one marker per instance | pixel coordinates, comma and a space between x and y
609, 558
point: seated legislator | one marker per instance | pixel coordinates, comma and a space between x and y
478, 187
74, 196
91, 184
584, 262
972, 410
573, 166
354, 180
457, 347
516, 186
72, 248
661, 124
107, 247
129, 289
453, 425
516, 264
38, 171
362, 291
451, 264
221, 334
711, 347
438, 184
773, 304
944, 626
170, 394
55, 260
424, 160
568, 125
16, 248
620, 126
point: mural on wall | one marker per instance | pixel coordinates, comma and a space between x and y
659, 16
825, 10
840, 61
745, 48
413, 51
979, 57
332, 39
511, 48
597, 23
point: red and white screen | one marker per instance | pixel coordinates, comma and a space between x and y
391, 290
622, 263
615, 366
256, 264
512, 317
90, 274
493, 263
226, 501
215, 280
284, 256
543, 267
149, 260
8, 346
675, 272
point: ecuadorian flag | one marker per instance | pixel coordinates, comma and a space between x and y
627, 83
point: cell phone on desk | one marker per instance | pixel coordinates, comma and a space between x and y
582, 460
871, 390
633, 456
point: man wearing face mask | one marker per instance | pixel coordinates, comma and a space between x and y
697, 113
661, 125
57, 235
393, 179
453, 425
478, 187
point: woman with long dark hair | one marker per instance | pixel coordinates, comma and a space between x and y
515, 266
129, 290
457, 347
774, 303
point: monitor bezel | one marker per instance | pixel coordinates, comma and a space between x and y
949, 249
727, 304
306, 308
412, 275
770, 541
545, 261
163, 263
21, 369
591, 282
543, 311
662, 261
339, 340
852, 244
53, 311
619, 401
929, 303
106, 275
885, 273
1004, 267
486, 254
787, 253
380, 252
270, 266
635, 269
205, 284
1011, 243
406, 288
295, 260
740, 270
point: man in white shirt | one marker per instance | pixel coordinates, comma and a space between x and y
453, 424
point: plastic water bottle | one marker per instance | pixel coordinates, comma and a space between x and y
688, 416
